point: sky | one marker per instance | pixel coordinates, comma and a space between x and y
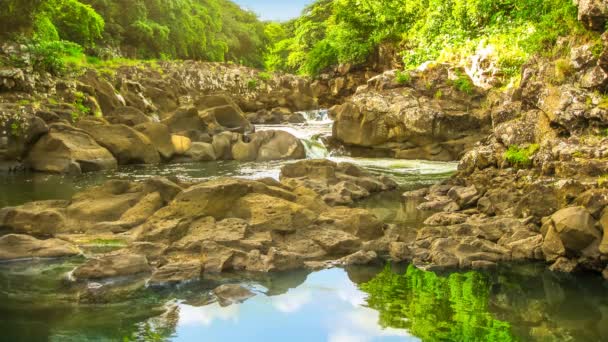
275, 9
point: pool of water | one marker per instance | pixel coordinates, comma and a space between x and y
375, 303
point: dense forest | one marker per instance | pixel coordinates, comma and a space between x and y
328, 33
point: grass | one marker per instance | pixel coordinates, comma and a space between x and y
563, 70
521, 157
264, 76
602, 180
252, 84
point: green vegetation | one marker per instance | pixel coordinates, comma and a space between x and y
521, 156
436, 308
403, 77
60, 30
463, 84
348, 31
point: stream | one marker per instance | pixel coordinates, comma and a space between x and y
372, 303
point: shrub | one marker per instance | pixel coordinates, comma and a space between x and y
521, 157
252, 84
264, 76
403, 77
563, 70
463, 83
55, 56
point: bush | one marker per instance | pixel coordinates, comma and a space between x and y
463, 83
403, 77
521, 157
55, 56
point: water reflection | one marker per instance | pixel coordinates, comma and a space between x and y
396, 303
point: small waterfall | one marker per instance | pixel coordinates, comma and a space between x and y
318, 123
319, 116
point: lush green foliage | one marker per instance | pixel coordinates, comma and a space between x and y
521, 156
436, 308
214, 30
348, 31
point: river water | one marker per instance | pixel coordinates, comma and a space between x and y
375, 303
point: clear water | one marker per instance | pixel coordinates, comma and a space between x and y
379, 303
399, 303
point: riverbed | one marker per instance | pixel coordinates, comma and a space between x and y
375, 303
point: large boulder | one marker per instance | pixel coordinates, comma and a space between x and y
14, 247
160, 136
575, 228
129, 116
126, 144
226, 118
66, 149
410, 123
269, 145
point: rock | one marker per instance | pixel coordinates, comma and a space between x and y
576, 228
232, 294
43, 219
69, 150
553, 247
112, 266
104, 91
222, 145
593, 14
185, 119
359, 258
594, 200
126, 144
336, 242
464, 197
399, 251
160, 136
358, 222
226, 118
446, 219
564, 265
604, 224
176, 273
201, 152
443, 204
15, 247
269, 145
181, 144
482, 264
129, 116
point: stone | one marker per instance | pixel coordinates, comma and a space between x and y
399, 251
232, 294
160, 136
181, 144
576, 228
200, 151
112, 266
69, 150
604, 224
176, 273
43, 219
593, 14
358, 222
129, 116
359, 258
17, 247
126, 144
269, 145
336, 242
446, 219
564, 265
226, 118
465, 197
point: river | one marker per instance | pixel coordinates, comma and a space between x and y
375, 303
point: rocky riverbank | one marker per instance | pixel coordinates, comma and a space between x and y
174, 231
